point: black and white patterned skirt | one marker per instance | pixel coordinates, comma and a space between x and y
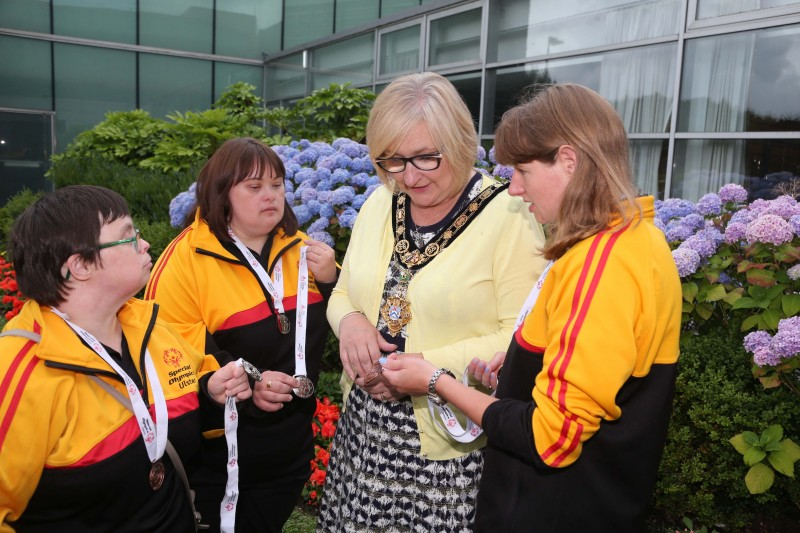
378, 481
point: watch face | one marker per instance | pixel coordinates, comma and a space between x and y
251, 370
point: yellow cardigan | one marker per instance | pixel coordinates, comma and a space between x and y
464, 303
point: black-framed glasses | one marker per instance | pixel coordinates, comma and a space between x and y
398, 164
136, 240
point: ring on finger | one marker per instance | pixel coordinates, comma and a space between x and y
269, 384
383, 396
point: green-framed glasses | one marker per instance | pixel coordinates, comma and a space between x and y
136, 240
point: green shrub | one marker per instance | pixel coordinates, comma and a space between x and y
147, 191
701, 474
12, 209
158, 234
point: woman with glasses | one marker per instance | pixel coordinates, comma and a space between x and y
437, 268
243, 281
99, 398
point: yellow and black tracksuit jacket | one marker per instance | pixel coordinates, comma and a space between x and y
586, 390
211, 295
71, 456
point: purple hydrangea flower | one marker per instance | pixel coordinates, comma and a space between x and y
783, 206
674, 208
709, 204
676, 231
735, 232
502, 171
794, 272
733, 193
687, 261
786, 342
492, 158
770, 229
704, 246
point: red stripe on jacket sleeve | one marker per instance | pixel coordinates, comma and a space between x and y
150, 293
5, 386
571, 340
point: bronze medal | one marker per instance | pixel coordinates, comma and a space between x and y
397, 313
157, 475
283, 323
306, 388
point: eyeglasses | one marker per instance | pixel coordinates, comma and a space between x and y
398, 164
136, 240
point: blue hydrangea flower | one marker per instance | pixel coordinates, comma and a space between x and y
307, 156
303, 213
674, 208
503, 171
687, 261
318, 225
770, 229
358, 201
323, 236
339, 175
794, 272
795, 222
325, 210
342, 195
348, 217
492, 158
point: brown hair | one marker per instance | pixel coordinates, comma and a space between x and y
431, 99
233, 162
601, 187
61, 223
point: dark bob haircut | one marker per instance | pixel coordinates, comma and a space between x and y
61, 223
233, 162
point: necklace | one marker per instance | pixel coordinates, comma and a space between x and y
396, 311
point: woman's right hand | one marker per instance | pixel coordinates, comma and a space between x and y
484, 372
360, 344
274, 390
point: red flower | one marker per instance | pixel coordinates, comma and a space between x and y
318, 477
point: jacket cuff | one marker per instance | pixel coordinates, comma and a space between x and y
508, 424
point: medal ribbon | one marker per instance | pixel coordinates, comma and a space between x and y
449, 422
154, 435
227, 509
274, 289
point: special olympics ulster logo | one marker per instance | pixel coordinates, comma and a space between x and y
173, 357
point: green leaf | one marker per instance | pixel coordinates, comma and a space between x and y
750, 438
781, 462
774, 433
734, 296
704, 310
790, 303
739, 443
745, 302
759, 478
754, 456
791, 449
750, 322
689, 289
770, 319
760, 278
716, 293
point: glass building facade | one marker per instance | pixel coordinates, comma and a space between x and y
706, 88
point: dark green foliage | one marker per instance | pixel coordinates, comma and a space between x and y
328, 385
12, 209
702, 475
159, 234
148, 191
326, 114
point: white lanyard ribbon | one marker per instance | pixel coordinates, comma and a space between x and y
276, 291
154, 435
449, 422
227, 510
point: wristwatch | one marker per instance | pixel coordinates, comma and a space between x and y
432, 396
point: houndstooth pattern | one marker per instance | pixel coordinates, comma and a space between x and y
378, 481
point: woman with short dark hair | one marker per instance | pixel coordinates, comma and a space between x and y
96, 387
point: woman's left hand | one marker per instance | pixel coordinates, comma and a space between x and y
408, 374
321, 261
230, 380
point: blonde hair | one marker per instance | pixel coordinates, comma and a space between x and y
431, 99
601, 187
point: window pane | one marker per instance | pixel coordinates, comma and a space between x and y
177, 24
89, 83
456, 38
528, 28
25, 74
307, 20
638, 83
226, 74
717, 8
469, 87
400, 51
742, 82
648, 159
352, 13
25, 150
286, 79
761, 166
390, 7
170, 84
104, 20
248, 28
29, 15
346, 61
